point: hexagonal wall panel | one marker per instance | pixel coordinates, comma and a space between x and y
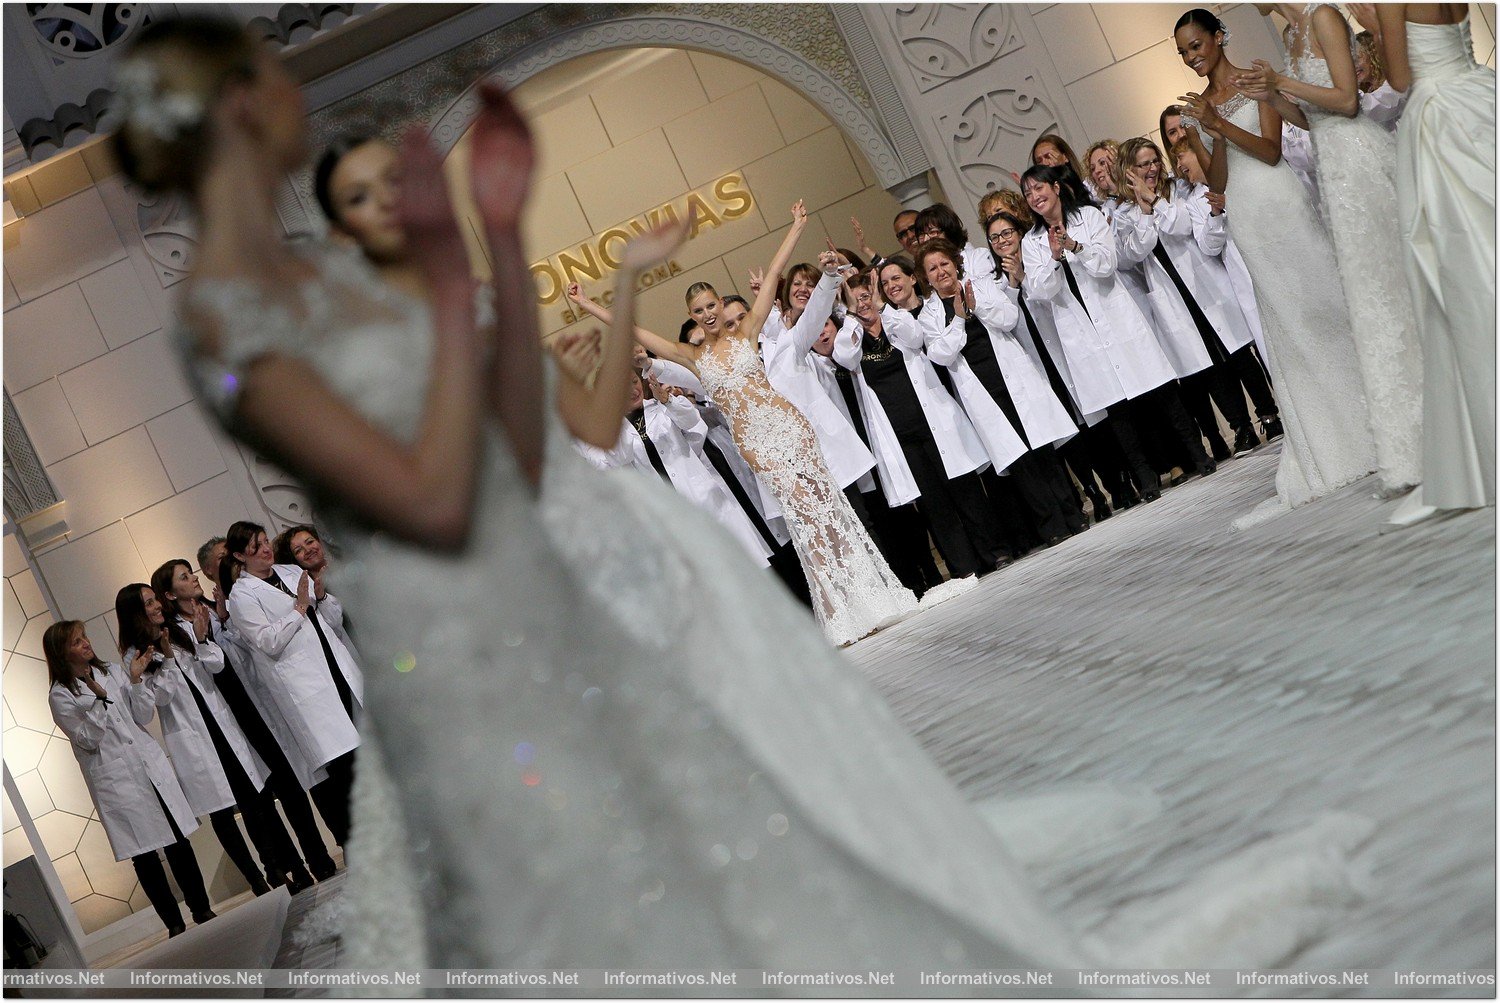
34, 793
6, 721
17, 846
96, 911
26, 689
31, 638
24, 748
15, 618
64, 779
75, 883
60, 832
109, 876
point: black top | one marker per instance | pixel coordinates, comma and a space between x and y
885, 373
979, 352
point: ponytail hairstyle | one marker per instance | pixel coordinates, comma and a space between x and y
323, 173
1070, 190
161, 584
168, 82
55, 641
236, 541
946, 220
697, 289
1126, 161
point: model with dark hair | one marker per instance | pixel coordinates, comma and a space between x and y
1310, 348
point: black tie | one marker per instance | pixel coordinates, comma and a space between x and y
726, 474
345, 695
638, 420
1059, 388
1073, 286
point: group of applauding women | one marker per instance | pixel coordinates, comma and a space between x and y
257, 691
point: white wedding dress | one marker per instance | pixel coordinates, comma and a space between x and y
854, 591
1445, 185
603, 738
1356, 165
1309, 346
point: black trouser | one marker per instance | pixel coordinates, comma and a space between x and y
961, 521
1248, 369
331, 795
902, 539
184, 865
1096, 460
283, 785
275, 855
1214, 385
1132, 420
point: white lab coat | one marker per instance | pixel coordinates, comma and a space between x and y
1129, 273
679, 431
791, 374
944, 341
194, 758
1044, 418
230, 641
1111, 350
123, 767
957, 442
826, 369
1046, 333
1182, 227
290, 667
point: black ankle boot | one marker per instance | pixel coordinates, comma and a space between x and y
1271, 427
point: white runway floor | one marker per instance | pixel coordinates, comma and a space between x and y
1253, 680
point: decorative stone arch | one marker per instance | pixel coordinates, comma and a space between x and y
672, 31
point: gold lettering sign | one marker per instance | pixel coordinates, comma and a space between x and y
726, 199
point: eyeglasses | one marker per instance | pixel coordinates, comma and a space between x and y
905, 232
1000, 235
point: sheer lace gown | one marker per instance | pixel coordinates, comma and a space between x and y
1445, 183
604, 739
853, 588
1356, 163
1309, 345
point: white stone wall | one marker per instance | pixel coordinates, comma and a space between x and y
145, 475
982, 81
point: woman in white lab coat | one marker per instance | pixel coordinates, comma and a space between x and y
1002, 390
103, 710
211, 744
142, 628
1164, 225
303, 665
925, 447
1115, 361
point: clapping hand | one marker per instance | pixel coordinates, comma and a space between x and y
304, 593
1014, 270
1260, 82
655, 246
1198, 107
1057, 239
1139, 190
201, 622
577, 352
502, 160
424, 209
963, 303
137, 667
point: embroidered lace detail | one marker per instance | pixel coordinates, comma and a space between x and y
1356, 161
1309, 346
854, 590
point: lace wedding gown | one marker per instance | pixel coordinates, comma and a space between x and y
854, 590
1309, 346
1445, 186
1356, 163
605, 739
